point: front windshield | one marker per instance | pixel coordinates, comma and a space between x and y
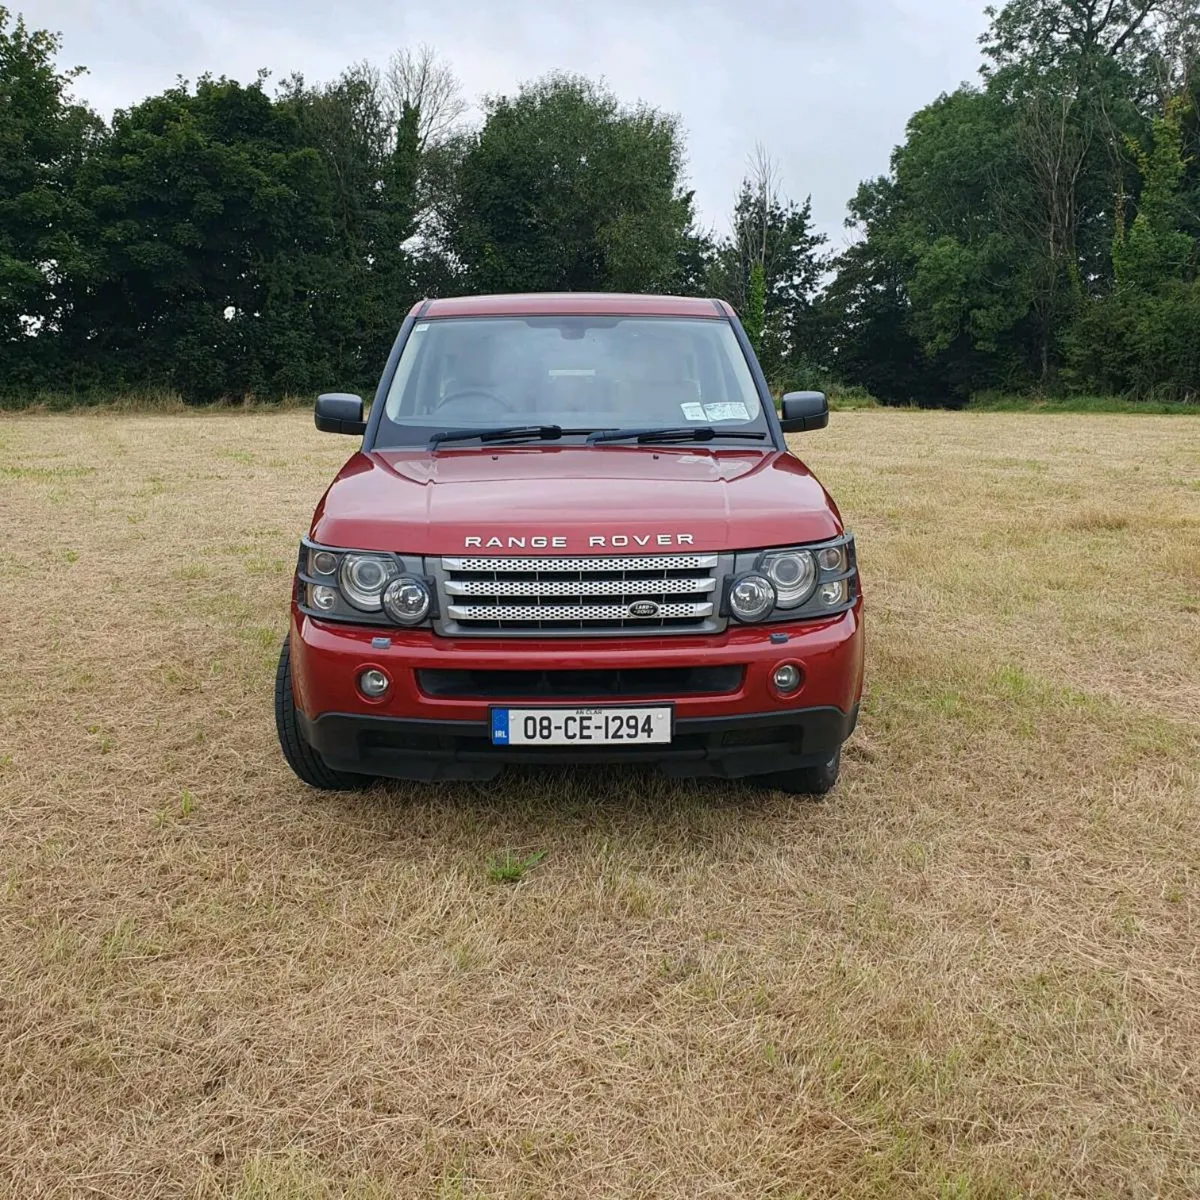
578, 372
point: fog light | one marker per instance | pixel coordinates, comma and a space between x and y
373, 683
323, 598
786, 678
833, 594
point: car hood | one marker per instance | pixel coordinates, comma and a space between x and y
573, 500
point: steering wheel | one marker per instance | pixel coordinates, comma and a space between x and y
476, 394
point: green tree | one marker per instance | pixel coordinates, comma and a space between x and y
367, 136
1068, 71
1045, 34
1155, 249
769, 268
1144, 337
695, 263
563, 188
997, 232
958, 181
756, 307
43, 138
207, 215
868, 310
947, 243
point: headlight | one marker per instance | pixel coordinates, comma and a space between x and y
364, 587
407, 601
751, 598
363, 577
811, 581
794, 574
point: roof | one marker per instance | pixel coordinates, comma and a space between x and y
573, 304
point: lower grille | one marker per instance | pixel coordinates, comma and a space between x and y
677, 593
582, 685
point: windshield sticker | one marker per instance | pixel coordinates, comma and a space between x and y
693, 412
421, 328
726, 412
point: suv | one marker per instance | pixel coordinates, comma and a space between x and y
573, 533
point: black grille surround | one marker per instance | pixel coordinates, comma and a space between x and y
573, 596
633, 683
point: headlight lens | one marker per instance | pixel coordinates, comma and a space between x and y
322, 562
833, 594
832, 559
363, 577
794, 574
751, 598
406, 600
324, 598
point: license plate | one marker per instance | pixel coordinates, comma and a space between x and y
581, 726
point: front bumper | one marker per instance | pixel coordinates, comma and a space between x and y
728, 747
410, 734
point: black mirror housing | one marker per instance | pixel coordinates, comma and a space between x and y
339, 412
801, 412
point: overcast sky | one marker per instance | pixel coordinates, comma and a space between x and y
825, 85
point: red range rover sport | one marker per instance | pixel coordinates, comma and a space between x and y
573, 533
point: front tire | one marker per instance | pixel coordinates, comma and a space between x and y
308, 765
806, 781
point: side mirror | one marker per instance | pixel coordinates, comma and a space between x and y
804, 411
340, 412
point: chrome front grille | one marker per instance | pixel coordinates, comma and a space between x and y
581, 612
573, 587
658, 593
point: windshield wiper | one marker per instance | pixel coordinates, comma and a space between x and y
510, 433
689, 433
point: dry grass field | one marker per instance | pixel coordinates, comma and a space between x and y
972, 974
